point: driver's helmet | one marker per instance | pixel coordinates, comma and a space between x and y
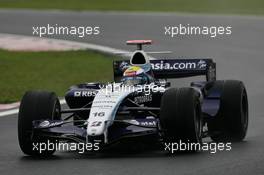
135, 75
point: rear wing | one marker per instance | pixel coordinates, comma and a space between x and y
173, 68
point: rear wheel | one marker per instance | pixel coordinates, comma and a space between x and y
36, 105
231, 123
180, 116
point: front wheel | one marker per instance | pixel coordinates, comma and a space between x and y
36, 105
180, 116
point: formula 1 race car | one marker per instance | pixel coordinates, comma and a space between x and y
139, 104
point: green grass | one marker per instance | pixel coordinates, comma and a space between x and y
52, 71
196, 6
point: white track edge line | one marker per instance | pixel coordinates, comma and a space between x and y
82, 45
15, 111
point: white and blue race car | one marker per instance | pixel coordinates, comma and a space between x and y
139, 105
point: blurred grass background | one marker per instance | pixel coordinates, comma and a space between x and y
52, 71
56, 71
194, 6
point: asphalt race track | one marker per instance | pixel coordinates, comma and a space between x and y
239, 56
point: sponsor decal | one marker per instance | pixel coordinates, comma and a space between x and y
142, 123
133, 122
184, 65
104, 102
148, 123
47, 123
143, 99
103, 106
84, 93
44, 124
201, 64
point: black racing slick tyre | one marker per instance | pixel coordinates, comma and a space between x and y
36, 105
180, 116
231, 123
